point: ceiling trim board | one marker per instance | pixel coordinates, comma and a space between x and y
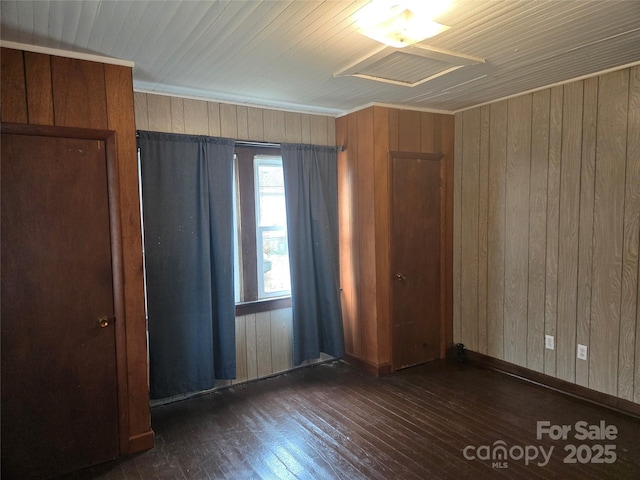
66, 53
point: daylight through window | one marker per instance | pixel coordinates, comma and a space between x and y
262, 260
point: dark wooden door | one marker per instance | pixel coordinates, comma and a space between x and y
59, 389
416, 252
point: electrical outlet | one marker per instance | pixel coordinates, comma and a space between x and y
582, 352
549, 342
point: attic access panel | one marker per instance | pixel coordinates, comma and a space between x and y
408, 66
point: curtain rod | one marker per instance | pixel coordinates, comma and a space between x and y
245, 143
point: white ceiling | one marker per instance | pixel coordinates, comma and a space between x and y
284, 54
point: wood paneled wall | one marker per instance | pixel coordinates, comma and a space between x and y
264, 345
364, 202
49, 90
547, 228
160, 113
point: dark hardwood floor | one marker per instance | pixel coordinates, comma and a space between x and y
331, 421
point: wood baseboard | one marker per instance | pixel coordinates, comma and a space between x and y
562, 386
141, 442
370, 368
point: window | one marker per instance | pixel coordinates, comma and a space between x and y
271, 227
262, 258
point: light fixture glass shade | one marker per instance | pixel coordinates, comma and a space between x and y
399, 23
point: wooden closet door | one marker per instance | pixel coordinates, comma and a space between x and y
59, 387
416, 258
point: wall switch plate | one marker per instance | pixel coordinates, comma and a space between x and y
582, 352
549, 342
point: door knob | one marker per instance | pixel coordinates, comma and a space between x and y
400, 277
105, 321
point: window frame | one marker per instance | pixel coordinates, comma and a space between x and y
248, 252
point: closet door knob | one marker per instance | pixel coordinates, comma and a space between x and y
105, 321
400, 277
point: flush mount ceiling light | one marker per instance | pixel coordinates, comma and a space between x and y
399, 23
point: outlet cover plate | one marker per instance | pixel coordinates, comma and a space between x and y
549, 342
582, 352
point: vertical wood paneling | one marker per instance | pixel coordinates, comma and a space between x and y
457, 227
196, 117
345, 226
382, 222
633, 153
177, 115
469, 219
366, 247
496, 233
608, 225
585, 241
319, 130
353, 274
629, 305
306, 128
255, 124
483, 207
409, 131
37, 67
13, 91
263, 343
427, 132
141, 111
119, 102
159, 113
79, 98
228, 120
563, 240
252, 347
355, 242
553, 216
568, 230
331, 131
446, 144
241, 350
242, 117
439, 134
394, 121
293, 127
516, 265
636, 383
199, 117
263, 347
538, 229
274, 129
281, 340
213, 109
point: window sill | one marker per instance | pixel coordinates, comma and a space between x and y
266, 305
